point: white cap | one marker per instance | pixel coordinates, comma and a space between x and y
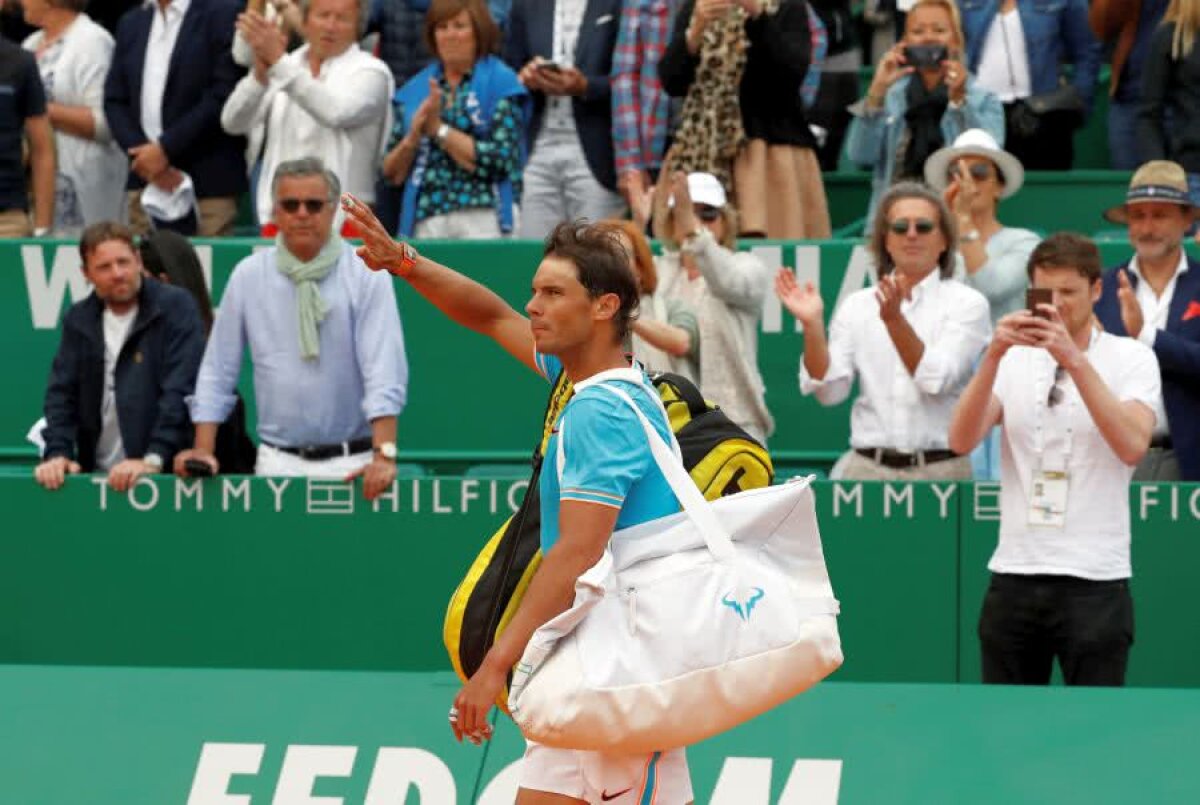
705, 188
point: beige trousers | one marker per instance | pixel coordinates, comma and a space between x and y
15, 224
860, 468
216, 215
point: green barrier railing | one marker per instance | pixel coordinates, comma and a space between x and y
305, 574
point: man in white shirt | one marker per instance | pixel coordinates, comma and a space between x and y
328, 99
1076, 406
128, 356
1156, 299
911, 342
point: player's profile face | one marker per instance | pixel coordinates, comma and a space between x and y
560, 310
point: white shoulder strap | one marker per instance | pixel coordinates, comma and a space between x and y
671, 466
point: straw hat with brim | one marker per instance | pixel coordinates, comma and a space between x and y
1158, 180
975, 143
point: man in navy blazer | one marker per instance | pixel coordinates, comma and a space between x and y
563, 52
171, 72
1155, 298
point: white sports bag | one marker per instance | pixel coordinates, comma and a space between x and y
688, 626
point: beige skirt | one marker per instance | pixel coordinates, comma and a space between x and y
779, 191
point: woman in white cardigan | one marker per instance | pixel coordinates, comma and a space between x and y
73, 54
725, 289
327, 99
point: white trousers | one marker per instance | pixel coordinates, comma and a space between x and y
473, 223
272, 461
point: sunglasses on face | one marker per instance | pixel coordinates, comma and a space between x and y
312, 205
706, 213
979, 171
900, 226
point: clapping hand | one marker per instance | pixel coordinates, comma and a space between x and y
891, 292
802, 301
1131, 310
265, 39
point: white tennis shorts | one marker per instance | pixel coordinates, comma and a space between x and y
660, 778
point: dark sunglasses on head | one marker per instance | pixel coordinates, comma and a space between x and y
312, 205
707, 213
900, 226
980, 171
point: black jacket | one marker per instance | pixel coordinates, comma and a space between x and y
200, 77
531, 33
156, 369
1168, 124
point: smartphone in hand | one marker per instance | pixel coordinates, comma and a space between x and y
197, 468
549, 67
1038, 296
925, 56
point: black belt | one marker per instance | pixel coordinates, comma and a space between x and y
316, 452
1162, 442
898, 460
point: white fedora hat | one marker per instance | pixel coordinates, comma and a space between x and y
976, 143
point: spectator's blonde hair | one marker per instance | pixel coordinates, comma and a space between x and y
951, 8
1185, 15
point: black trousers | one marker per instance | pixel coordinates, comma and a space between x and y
1051, 148
1028, 621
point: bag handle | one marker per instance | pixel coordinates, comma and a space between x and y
677, 477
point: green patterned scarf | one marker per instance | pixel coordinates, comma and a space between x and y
309, 304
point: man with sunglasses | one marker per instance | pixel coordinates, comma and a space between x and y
911, 342
330, 373
1076, 409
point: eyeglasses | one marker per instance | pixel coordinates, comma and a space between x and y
1056, 393
706, 213
312, 205
900, 226
980, 171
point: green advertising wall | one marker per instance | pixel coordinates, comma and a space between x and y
467, 399
305, 574
133, 736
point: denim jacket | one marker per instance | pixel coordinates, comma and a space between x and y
1055, 31
874, 137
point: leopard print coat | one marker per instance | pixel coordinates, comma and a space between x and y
710, 130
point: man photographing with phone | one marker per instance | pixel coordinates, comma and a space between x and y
1076, 409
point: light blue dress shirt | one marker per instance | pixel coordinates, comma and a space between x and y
362, 371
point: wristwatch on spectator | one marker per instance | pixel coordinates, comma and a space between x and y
443, 132
387, 450
41, 231
969, 236
153, 461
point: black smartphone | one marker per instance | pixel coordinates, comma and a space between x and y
924, 56
197, 468
549, 67
1038, 296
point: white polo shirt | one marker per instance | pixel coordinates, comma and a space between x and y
1094, 543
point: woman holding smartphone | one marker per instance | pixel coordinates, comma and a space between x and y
974, 175
920, 98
